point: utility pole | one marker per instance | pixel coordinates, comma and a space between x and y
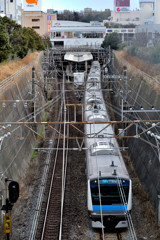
33, 92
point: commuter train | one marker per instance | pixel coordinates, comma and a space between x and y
109, 187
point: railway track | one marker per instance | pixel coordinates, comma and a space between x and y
52, 218
74, 196
48, 227
51, 212
112, 236
74, 206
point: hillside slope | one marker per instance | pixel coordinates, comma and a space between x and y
7, 69
151, 69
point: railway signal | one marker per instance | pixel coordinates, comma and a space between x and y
12, 196
13, 191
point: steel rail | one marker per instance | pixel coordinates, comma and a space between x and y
49, 195
65, 159
41, 193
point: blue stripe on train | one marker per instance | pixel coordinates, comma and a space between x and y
110, 207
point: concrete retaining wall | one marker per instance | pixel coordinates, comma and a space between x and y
145, 91
15, 153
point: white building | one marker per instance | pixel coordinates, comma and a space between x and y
125, 17
146, 11
11, 9
149, 19
69, 33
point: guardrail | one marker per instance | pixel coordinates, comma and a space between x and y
7, 82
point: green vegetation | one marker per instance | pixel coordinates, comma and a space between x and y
117, 25
150, 54
18, 41
84, 17
113, 40
41, 134
5, 47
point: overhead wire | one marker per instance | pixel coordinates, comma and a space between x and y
127, 214
138, 116
121, 189
99, 190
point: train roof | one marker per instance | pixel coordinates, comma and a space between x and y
103, 156
106, 166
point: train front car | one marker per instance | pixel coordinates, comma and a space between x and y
109, 185
109, 199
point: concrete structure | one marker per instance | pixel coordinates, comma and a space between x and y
150, 20
145, 158
78, 56
157, 12
126, 34
39, 21
11, 9
146, 10
15, 153
132, 17
69, 33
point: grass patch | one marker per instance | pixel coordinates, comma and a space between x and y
143, 65
150, 54
8, 69
38, 144
34, 152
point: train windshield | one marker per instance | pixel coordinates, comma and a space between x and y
110, 191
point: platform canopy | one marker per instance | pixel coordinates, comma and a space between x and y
78, 56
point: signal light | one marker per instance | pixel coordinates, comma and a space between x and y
13, 188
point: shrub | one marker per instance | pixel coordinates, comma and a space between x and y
132, 51
113, 40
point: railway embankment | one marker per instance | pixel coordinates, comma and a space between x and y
144, 91
20, 97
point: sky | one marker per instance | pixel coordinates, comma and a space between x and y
79, 5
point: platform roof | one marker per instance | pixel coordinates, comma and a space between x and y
78, 56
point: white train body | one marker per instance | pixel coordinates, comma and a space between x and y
109, 185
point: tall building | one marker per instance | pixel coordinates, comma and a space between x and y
146, 11
39, 21
11, 9
87, 10
35, 18
150, 20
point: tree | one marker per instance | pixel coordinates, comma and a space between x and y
76, 16
46, 41
113, 40
5, 47
34, 41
